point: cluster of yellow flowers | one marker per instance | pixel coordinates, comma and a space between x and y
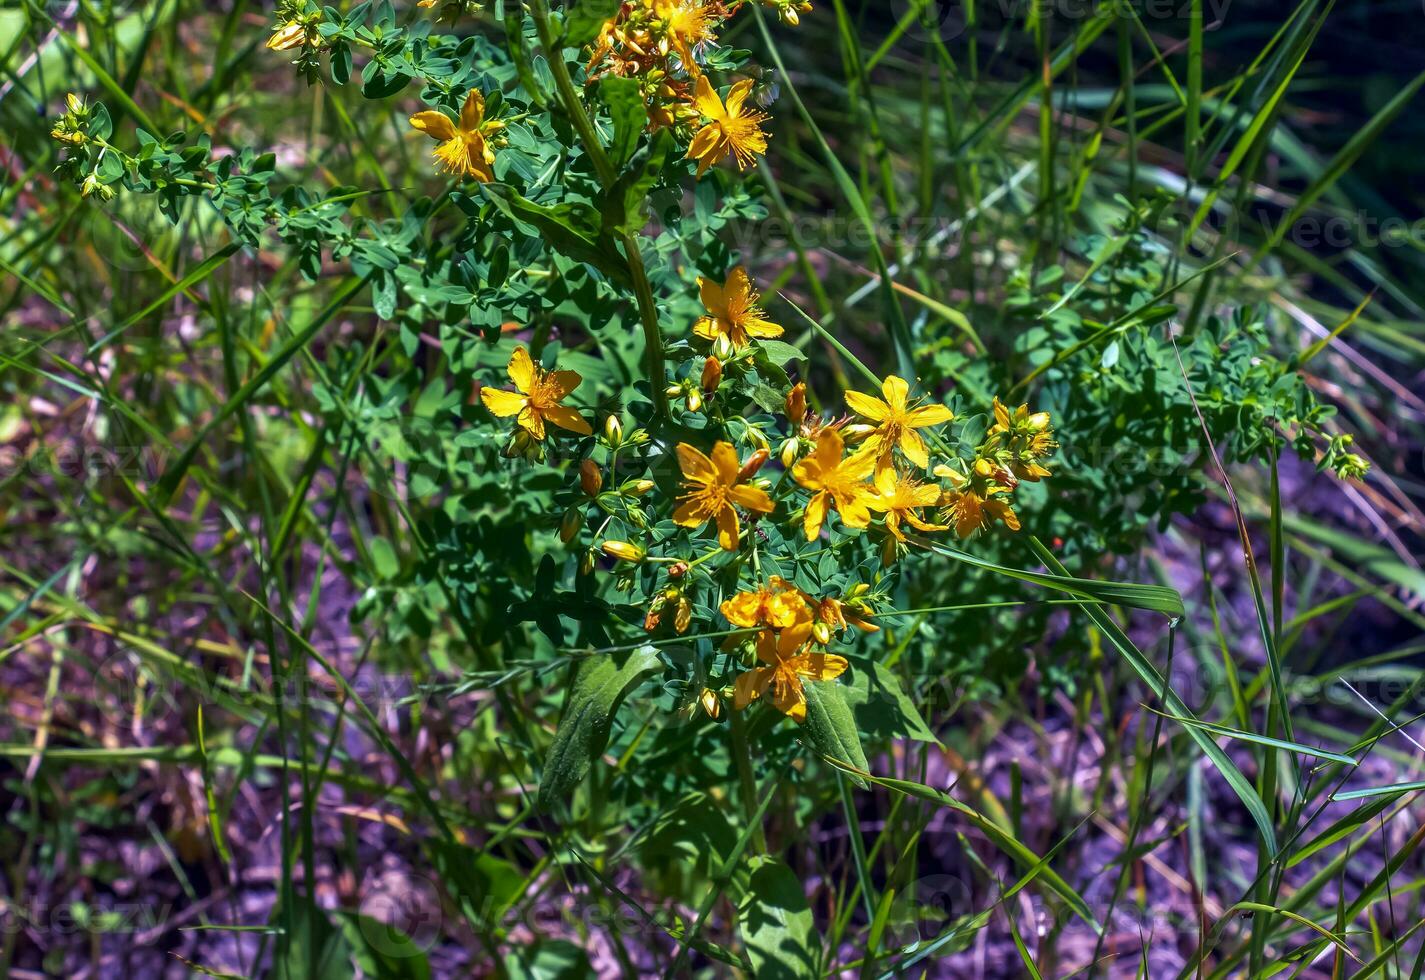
872, 465
655, 42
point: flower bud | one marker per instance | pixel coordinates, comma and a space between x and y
636, 488
710, 704
753, 464
655, 613
586, 562
695, 399
712, 374
758, 438
722, 347
613, 430
796, 403
677, 570
623, 551
790, 448
572, 522
682, 615
590, 478
673, 391
822, 633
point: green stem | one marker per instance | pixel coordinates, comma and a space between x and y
608, 176
743, 758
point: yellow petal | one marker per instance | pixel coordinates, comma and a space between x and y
692, 512
867, 407
750, 686
503, 403
696, 466
737, 97
706, 100
561, 383
532, 422
929, 415
896, 390
791, 701
566, 418
914, 448
713, 298
436, 125
751, 498
728, 529
743, 609
724, 457
815, 515
821, 666
472, 113
521, 370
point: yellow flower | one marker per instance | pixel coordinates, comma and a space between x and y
623, 551
538, 398
835, 482
713, 488
464, 148
710, 703
779, 604
896, 421
1026, 438
971, 512
902, 496
683, 25
789, 657
838, 613
291, 34
734, 129
974, 504
733, 312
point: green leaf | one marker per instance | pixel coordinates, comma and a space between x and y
556, 959
776, 924
831, 728
599, 688
558, 226
881, 707
1154, 598
780, 352
382, 950
1149, 674
314, 949
582, 24
483, 885
626, 200
630, 115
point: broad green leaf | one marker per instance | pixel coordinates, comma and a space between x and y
600, 686
314, 948
830, 726
582, 24
555, 959
630, 115
776, 924
382, 950
562, 229
483, 885
881, 706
